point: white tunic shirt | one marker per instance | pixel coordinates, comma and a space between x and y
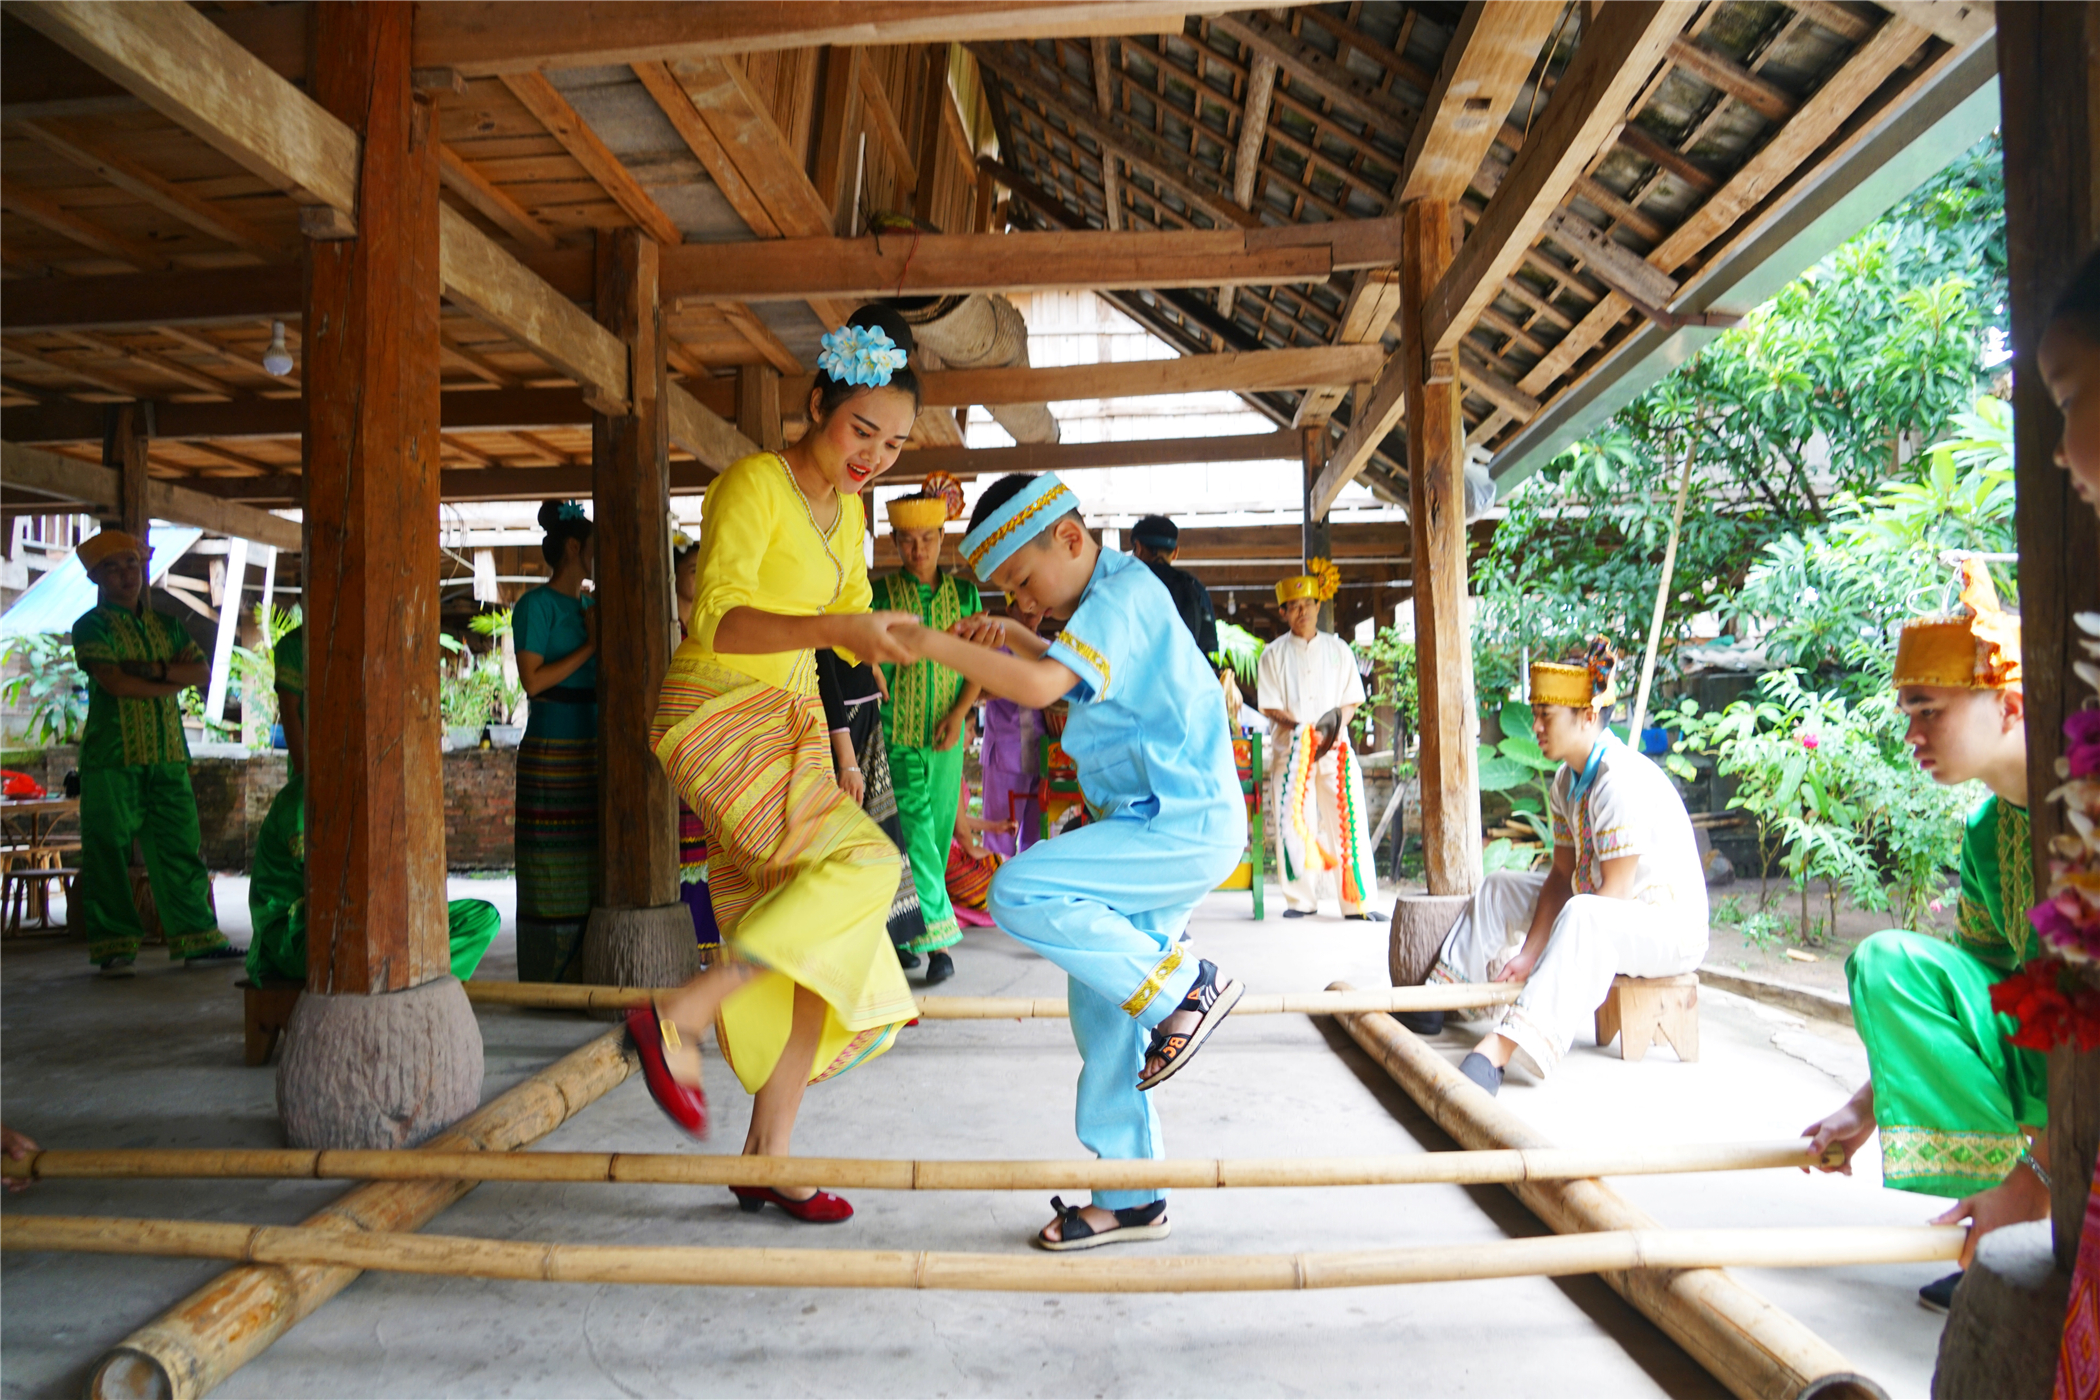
1307, 679
1631, 810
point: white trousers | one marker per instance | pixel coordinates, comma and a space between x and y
1593, 940
1304, 891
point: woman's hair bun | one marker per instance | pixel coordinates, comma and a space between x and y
888, 320
550, 514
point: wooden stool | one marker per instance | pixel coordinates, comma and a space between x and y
265, 1011
1638, 1009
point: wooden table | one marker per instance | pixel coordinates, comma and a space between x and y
33, 821
27, 829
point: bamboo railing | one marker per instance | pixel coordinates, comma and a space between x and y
561, 996
849, 1173
459, 1257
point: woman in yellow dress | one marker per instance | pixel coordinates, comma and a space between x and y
800, 877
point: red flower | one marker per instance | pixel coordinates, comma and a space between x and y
2053, 1005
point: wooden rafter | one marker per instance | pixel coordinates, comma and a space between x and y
491, 201
541, 98
84, 231
158, 363
67, 140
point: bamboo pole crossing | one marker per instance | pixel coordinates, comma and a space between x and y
460, 1257
848, 1173
559, 996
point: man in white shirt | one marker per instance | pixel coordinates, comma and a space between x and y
1625, 893
1316, 798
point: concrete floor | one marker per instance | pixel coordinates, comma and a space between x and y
155, 1062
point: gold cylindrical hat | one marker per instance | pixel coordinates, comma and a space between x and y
1302, 586
1976, 647
918, 513
105, 545
1555, 684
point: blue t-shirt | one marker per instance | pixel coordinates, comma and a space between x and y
1146, 728
550, 625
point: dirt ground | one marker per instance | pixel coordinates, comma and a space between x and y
1780, 954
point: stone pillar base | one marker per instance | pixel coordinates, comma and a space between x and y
382, 1071
1421, 923
640, 947
2007, 1320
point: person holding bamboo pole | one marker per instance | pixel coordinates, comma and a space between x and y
1108, 902
1625, 893
801, 879
1959, 1106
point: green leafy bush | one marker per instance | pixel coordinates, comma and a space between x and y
1516, 766
52, 685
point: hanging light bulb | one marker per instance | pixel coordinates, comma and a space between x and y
277, 360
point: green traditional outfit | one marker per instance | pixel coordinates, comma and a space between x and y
1951, 1091
277, 880
928, 780
135, 785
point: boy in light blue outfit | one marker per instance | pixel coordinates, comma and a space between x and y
1108, 902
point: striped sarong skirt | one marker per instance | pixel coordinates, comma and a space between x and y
800, 878
557, 854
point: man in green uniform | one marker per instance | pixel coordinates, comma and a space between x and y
1960, 1108
135, 768
922, 721
277, 882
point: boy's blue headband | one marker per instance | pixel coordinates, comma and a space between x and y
1015, 523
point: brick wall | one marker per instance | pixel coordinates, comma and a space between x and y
234, 795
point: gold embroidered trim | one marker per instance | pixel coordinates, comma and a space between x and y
1093, 658
1142, 997
984, 546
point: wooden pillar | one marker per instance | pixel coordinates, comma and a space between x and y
1436, 454
640, 933
383, 1050
758, 405
1318, 539
124, 443
2050, 102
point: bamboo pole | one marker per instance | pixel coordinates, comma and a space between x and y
558, 996
222, 1326
863, 1174
1662, 601
1753, 1348
706, 1266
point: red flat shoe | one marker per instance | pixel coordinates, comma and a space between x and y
820, 1209
651, 1035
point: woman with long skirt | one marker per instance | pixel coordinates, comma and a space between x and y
801, 879
852, 697
557, 809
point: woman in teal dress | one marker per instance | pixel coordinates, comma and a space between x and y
557, 811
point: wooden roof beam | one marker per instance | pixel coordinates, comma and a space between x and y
489, 200
159, 364
84, 231
481, 37
46, 474
929, 264
70, 143
1491, 54
1621, 48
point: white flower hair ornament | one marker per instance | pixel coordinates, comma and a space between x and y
863, 355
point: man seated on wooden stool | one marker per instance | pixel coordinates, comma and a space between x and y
1955, 1100
1625, 893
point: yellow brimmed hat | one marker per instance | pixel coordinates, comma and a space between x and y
918, 513
107, 545
1974, 647
1578, 686
1320, 581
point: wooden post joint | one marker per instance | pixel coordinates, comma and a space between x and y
438, 82
324, 223
1441, 369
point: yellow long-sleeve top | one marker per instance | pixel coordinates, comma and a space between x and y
760, 547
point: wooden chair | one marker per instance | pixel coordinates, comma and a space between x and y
26, 888
266, 1009
1640, 1009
